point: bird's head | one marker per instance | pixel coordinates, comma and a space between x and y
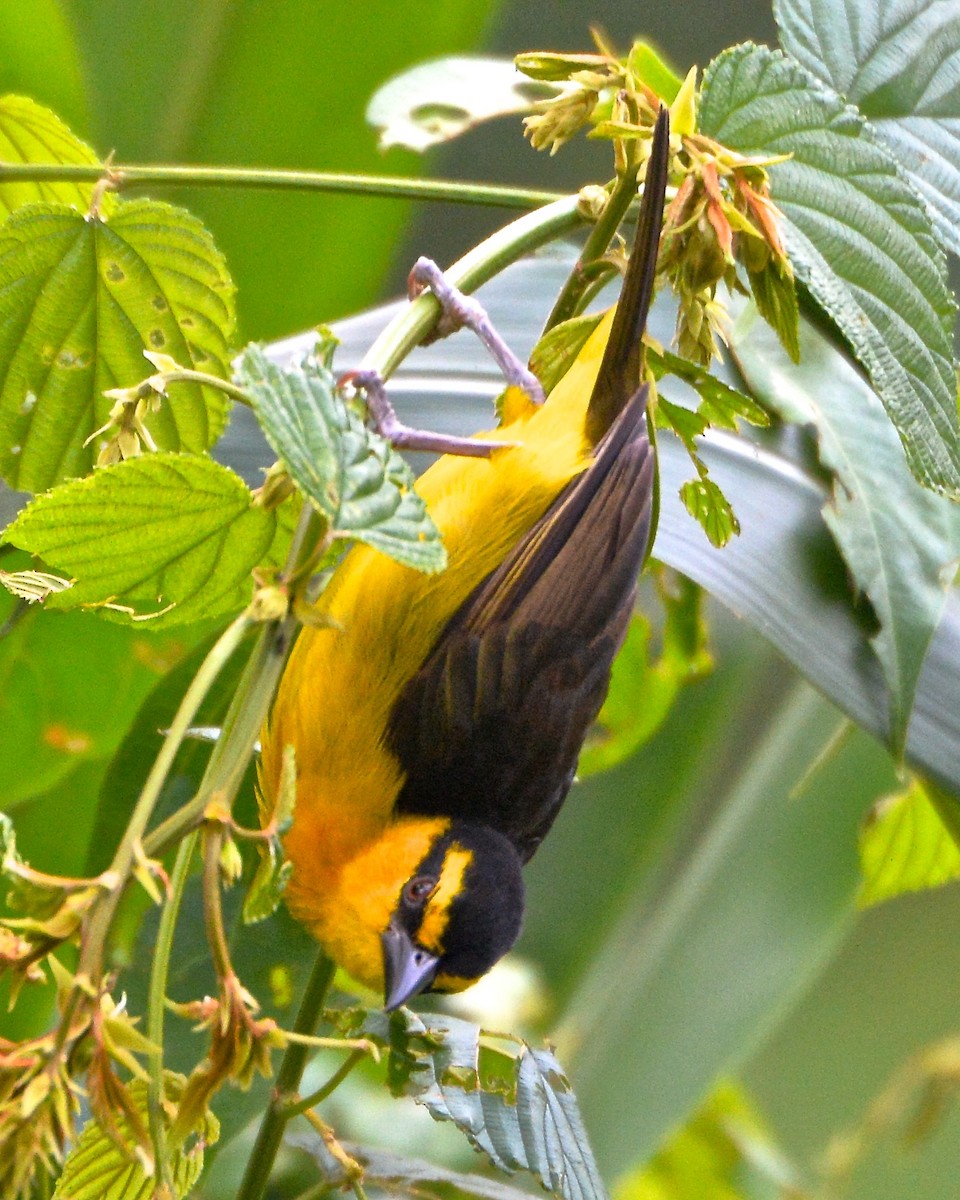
456, 915
430, 905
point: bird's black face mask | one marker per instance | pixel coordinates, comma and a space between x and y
456, 916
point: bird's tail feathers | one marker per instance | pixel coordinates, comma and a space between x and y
619, 373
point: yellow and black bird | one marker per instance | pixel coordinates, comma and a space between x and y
438, 720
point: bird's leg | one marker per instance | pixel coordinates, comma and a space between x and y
383, 417
459, 310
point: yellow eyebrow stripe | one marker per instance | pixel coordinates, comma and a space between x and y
437, 913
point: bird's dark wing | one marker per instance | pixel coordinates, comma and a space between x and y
491, 727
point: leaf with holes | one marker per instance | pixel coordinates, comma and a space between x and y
167, 538
80, 301
437, 101
350, 474
513, 1103
30, 133
905, 846
859, 239
899, 62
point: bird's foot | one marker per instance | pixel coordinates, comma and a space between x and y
383, 417
459, 310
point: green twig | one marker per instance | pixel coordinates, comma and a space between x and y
135, 176
260, 1162
159, 972
573, 293
483, 262
293, 1108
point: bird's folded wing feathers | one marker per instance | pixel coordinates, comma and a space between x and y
491, 726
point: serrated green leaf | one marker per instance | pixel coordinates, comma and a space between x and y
553, 354
720, 404
528, 1120
171, 537
684, 422
707, 504
911, 96
643, 686
97, 1169
775, 294
437, 101
905, 847
858, 237
80, 301
350, 474
30, 133
896, 537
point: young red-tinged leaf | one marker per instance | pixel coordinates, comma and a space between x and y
80, 301
905, 846
168, 538
30, 133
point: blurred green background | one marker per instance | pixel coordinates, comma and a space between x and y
690, 915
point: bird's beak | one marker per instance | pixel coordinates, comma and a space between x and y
407, 969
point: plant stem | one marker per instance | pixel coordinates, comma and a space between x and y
483, 262
91, 958
572, 294
155, 1006
264, 1152
317, 1097
126, 178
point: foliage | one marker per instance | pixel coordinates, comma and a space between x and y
775, 176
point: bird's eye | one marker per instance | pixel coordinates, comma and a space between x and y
418, 889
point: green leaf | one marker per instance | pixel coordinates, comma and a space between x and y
438, 101
556, 350
171, 538
859, 239
898, 540
80, 300
643, 686
525, 1120
398, 1174
775, 294
905, 847
350, 474
720, 404
30, 133
646, 65
707, 504
899, 62
722, 1153
97, 1167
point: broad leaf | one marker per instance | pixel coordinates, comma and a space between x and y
80, 300
30, 133
723, 1152
899, 62
97, 1167
523, 1115
897, 539
859, 239
398, 1174
437, 101
167, 538
350, 474
905, 846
